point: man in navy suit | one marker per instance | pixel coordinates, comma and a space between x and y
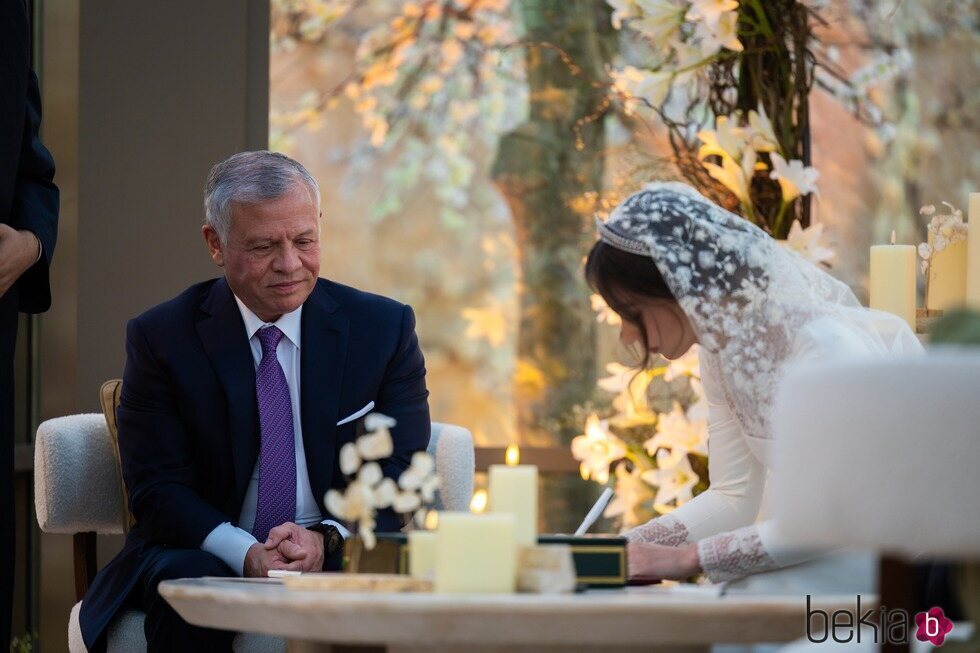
237, 397
28, 225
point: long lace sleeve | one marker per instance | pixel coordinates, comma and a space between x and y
737, 481
732, 555
666, 530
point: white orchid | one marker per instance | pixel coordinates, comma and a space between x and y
420, 476
369, 490
710, 11
597, 449
376, 445
809, 244
794, 178
376, 421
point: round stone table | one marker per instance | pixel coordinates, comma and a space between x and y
626, 621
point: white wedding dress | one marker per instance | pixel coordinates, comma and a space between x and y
757, 309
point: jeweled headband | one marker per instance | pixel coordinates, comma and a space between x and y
609, 236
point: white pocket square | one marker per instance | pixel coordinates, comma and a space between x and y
361, 413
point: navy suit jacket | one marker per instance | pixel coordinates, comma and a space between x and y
188, 420
28, 196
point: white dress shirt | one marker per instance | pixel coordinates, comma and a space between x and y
231, 543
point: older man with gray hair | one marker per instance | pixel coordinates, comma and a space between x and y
236, 399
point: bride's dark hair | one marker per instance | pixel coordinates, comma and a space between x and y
621, 278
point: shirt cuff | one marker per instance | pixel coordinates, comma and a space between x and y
40, 248
340, 527
229, 544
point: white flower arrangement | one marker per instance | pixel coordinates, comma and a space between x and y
944, 229
369, 491
647, 453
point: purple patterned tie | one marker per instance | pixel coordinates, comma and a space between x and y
277, 452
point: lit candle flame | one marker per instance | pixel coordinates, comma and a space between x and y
513, 455
583, 472
478, 503
893, 236
432, 520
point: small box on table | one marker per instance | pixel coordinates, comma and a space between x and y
600, 560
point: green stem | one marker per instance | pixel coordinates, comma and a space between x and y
777, 224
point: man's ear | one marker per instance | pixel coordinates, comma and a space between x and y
213, 242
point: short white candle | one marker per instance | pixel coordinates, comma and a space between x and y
475, 553
514, 489
973, 253
892, 282
422, 554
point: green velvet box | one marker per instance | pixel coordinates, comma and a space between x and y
600, 560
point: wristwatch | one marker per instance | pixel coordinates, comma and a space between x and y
332, 539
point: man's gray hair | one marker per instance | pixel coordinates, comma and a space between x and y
251, 178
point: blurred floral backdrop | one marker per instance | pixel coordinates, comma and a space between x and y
463, 147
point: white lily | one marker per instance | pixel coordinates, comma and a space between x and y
622, 10
762, 137
733, 176
631, 491
597, 449
794, 178
710, 11
661, 20
723, 34
726, 139
686, 365
676, 432
603, 312
649, 86
808, 243
674, 483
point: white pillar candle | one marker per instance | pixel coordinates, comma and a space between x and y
422, 554
973, 254
946, 287
514, 489
892, 283
475, 553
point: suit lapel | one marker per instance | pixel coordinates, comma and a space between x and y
322, 359
223, 336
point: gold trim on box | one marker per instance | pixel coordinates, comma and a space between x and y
607, 580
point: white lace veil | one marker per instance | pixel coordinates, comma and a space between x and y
747, 297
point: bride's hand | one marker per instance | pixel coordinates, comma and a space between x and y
656, 561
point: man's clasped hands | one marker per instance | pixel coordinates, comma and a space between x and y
288, 547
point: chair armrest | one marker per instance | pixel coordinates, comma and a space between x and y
76, 482
452, 448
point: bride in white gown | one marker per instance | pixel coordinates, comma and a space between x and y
680, 270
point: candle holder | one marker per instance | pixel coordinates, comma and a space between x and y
925, 319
